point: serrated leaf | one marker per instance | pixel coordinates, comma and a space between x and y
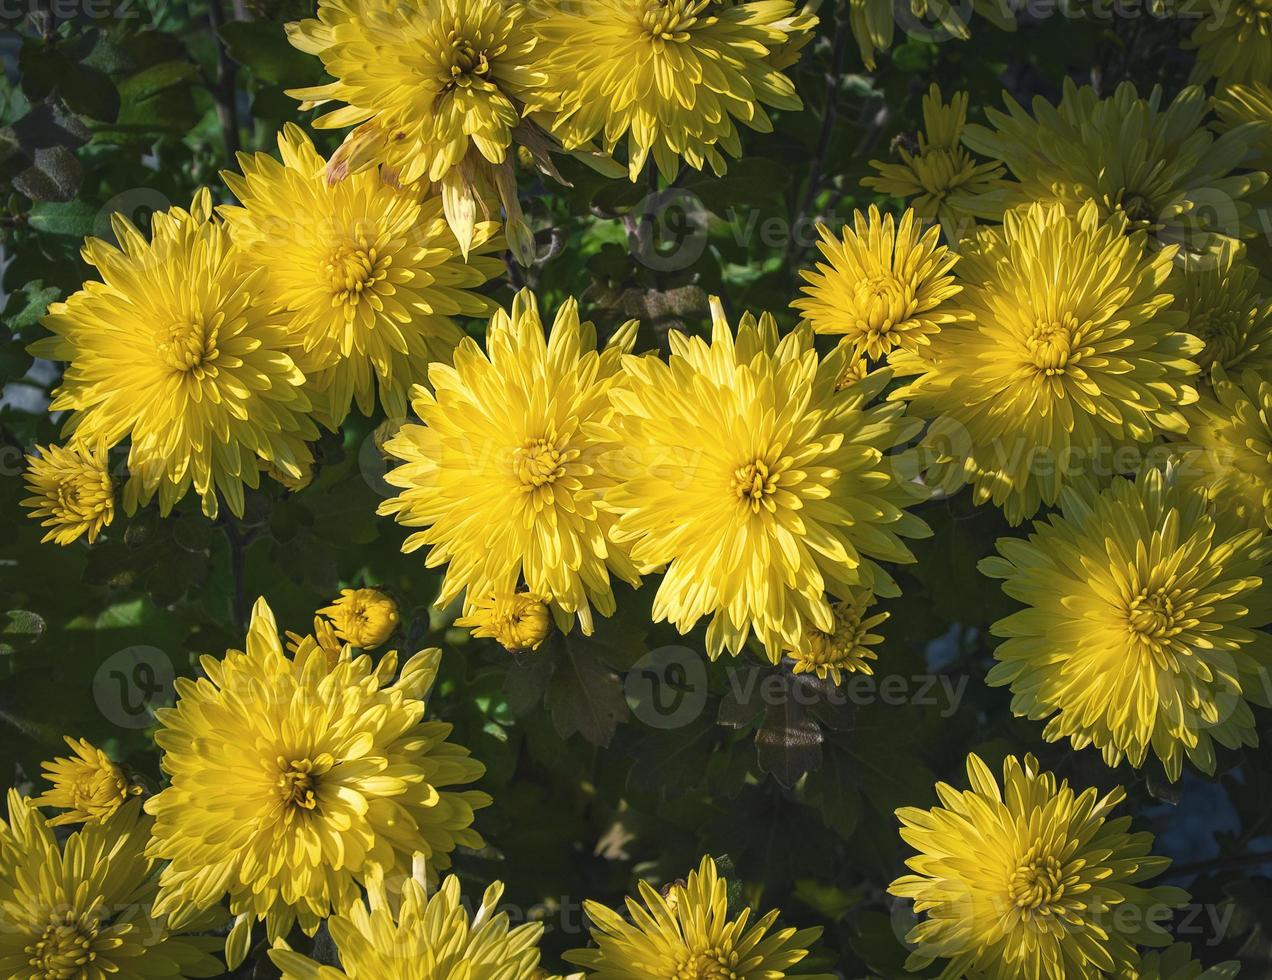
584, 695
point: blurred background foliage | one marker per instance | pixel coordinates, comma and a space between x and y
130, 105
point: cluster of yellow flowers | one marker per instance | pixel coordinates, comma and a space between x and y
1094, 335
305, 787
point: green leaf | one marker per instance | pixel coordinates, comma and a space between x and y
21, 628
584, 694
155, 79
28, 304
73, 219
262, 47
55, 175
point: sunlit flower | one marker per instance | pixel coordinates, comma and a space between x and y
672, 76
294, 779
1234, 43
1228, 454
1160, 168
368, 275
518, 621
1144, 623
173, 349
686, 932
1224, 309
758, 483
942, 176
846, 648
89, 786
81, 909
364, 618
1241, 104
417, 936
502, 475
1030, 882
883, 285
72, 490
1072, 356
443, 100
323, 637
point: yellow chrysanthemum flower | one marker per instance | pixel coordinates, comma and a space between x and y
942, 176
443, 103
1030, 882
368, 275
688, 933
173, 348
518, 621
293, 780
758, 483
81, 910
844, 649
1228, 454
1234, 43
503, 473
363, 618
71, 488
1144, 627
1071, 358
671, 76
883, 285
1224, 309
1242, 104
323, 637
90, 786
1159, 168
418, 936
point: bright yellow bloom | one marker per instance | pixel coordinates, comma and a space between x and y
1030, 882
883, 285
846, 648
1228, 454
71, 488
942, 176
1160, 168
423, 937
1225, 310
364, 618
368, 275
1072, 357
90, 786
81, 910
518, 621
1241, 104
293, 780
173, 349
758, 483
1144, 623
444, 100
670, 75
1234, 43
323, 637
688, 933
503, 473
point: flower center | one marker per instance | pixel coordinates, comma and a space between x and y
754, 484
670, 20
539, 463
64, 950
1050, 343
468, 61
1152, 616
882, 302
298, 784
352, 272
1037, 884
717, 963
189, 346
